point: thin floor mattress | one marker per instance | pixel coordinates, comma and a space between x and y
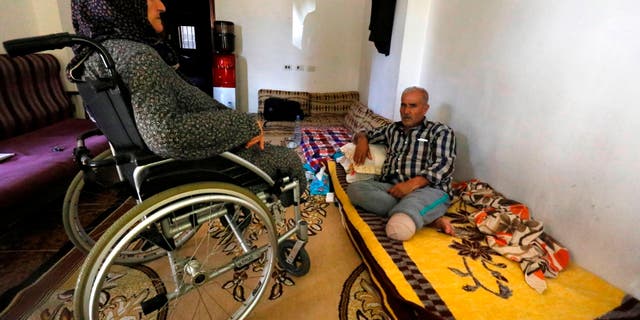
436, 276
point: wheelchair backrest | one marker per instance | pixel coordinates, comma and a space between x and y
110, 109
109, 106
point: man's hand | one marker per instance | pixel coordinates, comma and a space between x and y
362, 152
401, 189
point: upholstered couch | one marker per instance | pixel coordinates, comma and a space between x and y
37, 124
323, 109
330, 120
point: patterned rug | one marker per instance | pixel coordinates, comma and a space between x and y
337, 286
360, 299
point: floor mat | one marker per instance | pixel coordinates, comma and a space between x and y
316, 295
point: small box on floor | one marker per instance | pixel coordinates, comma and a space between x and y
330, 198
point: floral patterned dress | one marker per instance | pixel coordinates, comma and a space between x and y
178, 120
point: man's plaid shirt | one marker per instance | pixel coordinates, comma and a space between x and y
428, 150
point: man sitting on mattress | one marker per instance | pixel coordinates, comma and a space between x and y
414, 189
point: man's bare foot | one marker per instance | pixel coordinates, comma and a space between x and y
444, 224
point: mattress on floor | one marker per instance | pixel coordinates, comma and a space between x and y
437, 276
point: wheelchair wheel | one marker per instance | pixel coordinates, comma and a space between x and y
104, 200
219, 272
300, 265
86, 203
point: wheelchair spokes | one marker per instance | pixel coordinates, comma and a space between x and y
220, 271
88, 202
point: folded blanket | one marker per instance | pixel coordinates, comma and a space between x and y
320, 143
511, 232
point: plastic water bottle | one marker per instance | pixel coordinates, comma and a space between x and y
297, 131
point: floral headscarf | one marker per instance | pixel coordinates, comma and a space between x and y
102, 20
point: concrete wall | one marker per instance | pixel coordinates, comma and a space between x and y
330, 50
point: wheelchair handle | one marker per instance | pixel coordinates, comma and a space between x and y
19, 47
23, 46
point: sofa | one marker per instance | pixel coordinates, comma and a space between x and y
37, 126
330, 119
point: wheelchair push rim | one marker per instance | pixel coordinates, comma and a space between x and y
84, 209
251, 266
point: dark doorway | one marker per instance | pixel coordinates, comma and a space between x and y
188, 25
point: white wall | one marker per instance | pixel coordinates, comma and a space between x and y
331, 43
33, 18
382, 80
385, 77
415, 29
544, 100
15, 28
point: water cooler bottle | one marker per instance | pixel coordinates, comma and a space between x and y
224, 64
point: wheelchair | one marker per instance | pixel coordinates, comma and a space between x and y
194, 239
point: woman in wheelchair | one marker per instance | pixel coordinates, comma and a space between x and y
175, 119
195, 250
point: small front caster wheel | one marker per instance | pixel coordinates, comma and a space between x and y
300, 265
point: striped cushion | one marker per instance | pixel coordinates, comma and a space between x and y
360, 117
333, 102
32, 95
355, 117
299, 96
374, 120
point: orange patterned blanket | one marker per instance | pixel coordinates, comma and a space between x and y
511, 232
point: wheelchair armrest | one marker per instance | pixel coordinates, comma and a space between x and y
136, 157
81, 153
87, 134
